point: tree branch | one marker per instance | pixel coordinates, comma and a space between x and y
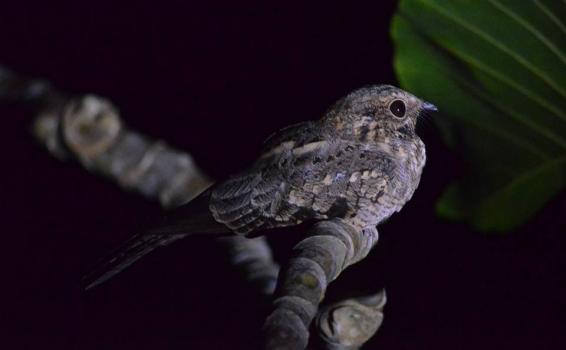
350, 323
89, 130
330, 247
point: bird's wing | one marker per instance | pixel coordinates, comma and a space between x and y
249, 201
335, 178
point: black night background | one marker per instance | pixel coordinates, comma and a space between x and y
215, 79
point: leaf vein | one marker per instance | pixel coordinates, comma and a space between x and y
497, 44
530, 29
551, 15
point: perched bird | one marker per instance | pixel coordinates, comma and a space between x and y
361, 162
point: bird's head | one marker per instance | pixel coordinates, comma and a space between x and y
374, 110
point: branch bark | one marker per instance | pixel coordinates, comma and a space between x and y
330, 247
90, 130
350, 323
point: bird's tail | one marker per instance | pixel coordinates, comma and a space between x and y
133, 250
193, 218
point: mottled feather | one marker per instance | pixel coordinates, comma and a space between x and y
361, 162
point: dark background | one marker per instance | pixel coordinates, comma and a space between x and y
215, 80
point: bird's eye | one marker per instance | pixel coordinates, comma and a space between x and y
397, 107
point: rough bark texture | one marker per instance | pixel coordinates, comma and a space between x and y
253, 258
330, 247
89, 129
350, 323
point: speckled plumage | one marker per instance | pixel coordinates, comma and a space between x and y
360, 162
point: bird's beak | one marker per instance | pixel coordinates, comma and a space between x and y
429, 107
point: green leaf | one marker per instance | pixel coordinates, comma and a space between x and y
497, 71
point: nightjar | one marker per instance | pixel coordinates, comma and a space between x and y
361, 162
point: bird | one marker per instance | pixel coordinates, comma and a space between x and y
360, 162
